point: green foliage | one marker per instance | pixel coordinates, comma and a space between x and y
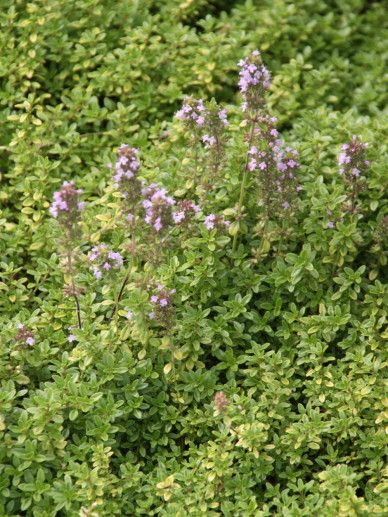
290, 326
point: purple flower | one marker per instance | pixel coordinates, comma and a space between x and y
210, 221
330, 224
24, 336
97, 273
125, 176
157, 205
129, 315
215, 221
185, 212
71, 338
158, 224
178, 217
66, 206
192, 112
161, 302
252, 164
254, 80
222, 115
104, 259
353, 166
209, 141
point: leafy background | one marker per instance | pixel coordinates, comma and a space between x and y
123, 422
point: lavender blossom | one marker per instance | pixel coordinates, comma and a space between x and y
24, 336
275, 166
125, 178
220, 402
161, 301
353, 166
206, 123
184, 212
192, 113
157, 204
254, 81
102, 260
66, 208
216, 221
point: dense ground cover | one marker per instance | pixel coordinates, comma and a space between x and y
231, 355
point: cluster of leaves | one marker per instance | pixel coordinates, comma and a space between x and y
261, 390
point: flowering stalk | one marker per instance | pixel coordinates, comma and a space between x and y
192, 116
161, 302
73, 291
206, 124
120, 293
353, 166
24, 335
184, 213
214, 136
243, 186
254, 81
158, 207
216, 221
126, 181
130, 187
272, 164
66, 208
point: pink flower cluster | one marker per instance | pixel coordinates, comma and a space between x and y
220, 401
352, 159
209, 141
185, 211
161, 302
216, 221
126, 167
126, 180
103, 259
157, 206
66, 205
254, 80
192, 111
206, 121
25, 336
275, 163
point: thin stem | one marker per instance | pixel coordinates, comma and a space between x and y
120, 295
218, 155
196, 157
73, 289
243, 183
78, 309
